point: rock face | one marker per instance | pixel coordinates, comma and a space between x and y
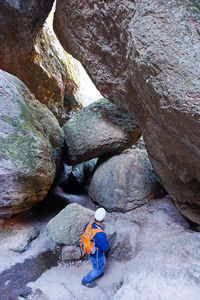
166, 257
97, 129
32, 52
30, 147
21, 21
55, 78
16, 236
124, 182
70, 253
144, 54
168, 277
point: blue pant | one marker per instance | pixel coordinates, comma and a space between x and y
98, 268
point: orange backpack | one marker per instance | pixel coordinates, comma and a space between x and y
87, 244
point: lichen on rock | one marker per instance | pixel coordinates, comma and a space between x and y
30, 147
101, 127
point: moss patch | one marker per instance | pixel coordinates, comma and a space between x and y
69, 68
19, 147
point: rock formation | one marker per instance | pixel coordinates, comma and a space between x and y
67, 227
83, 171
16, 233
31, 141
97, 129
158, 271
55, 78
145, 56
124, 182
32, 52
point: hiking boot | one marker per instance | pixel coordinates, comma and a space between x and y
101, 274
90, 284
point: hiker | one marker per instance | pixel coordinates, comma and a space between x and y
97, 255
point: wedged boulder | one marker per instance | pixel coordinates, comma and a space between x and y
145, 56
97, 129
124, 182
31, 142
67, 227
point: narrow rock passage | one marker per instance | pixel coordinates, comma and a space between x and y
154, 249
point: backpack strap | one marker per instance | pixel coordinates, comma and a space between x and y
94, 230
98, 230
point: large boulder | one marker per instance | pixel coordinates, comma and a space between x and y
31, 142
21, 22
144, 55
30, 50
124, 182
67, 227
97, 129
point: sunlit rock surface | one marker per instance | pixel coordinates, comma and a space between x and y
97, 129
55, 74
145, 55
30, 147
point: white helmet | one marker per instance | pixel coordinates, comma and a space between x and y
100, 214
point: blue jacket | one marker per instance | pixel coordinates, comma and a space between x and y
100, 240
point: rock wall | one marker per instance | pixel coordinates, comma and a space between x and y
145, 55
30, 50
